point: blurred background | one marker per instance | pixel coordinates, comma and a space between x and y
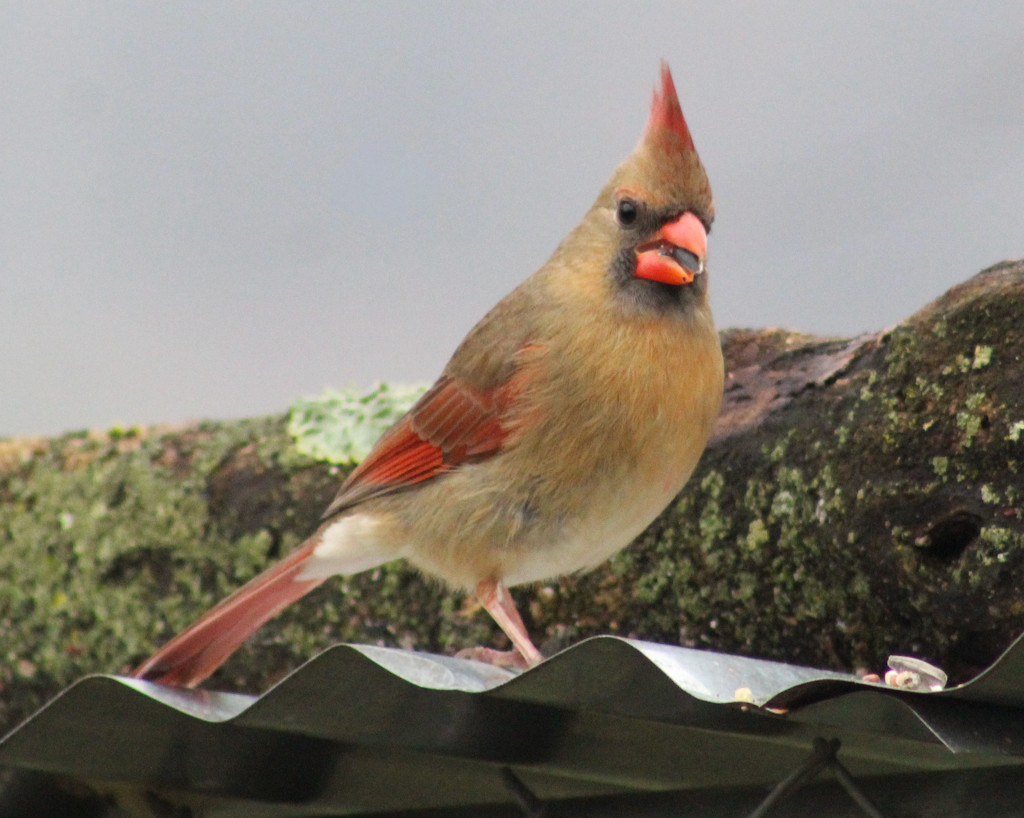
208, 209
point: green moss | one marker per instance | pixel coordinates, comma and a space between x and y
120, 539
989, 495
757, 535
341, 426
982, 357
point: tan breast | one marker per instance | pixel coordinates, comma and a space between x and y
644, 426
615, 420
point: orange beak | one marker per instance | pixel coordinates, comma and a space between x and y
676, 254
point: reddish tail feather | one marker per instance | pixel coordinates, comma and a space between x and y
204, 646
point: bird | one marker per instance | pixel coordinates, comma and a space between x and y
567, 419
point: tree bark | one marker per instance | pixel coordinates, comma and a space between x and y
861, 497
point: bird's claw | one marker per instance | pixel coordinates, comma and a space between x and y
511, 659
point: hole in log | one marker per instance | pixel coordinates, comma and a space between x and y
950, 536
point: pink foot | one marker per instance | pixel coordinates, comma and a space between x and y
498, 658
494, 596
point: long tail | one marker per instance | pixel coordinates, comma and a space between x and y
206, 644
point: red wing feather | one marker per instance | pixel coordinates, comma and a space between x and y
450, 424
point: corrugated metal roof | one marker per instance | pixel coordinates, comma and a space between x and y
610, 726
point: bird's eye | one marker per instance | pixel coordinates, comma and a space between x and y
626, 212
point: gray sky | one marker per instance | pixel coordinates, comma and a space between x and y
207, 209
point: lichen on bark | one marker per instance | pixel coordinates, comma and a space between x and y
861, 497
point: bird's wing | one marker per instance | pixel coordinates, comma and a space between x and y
451, 424
468, 415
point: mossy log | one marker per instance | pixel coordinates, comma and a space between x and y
861, 497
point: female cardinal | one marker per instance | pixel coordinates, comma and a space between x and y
568, 418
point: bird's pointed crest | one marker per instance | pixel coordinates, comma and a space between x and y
667, 114
665, 165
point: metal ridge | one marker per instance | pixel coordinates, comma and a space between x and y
364, 729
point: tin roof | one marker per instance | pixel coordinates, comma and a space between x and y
609, 727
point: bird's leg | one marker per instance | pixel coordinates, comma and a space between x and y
494, 596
